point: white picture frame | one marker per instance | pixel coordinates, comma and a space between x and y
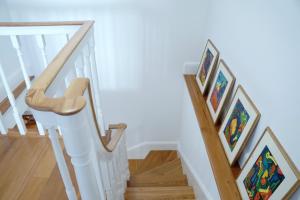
240, 120
219, 92
207, 66
285, 186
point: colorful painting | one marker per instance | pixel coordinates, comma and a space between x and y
236, 124
205, 66
264, 177
218, 91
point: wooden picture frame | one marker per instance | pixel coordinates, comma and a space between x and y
222, 86
207, 65
240, 120
270, 168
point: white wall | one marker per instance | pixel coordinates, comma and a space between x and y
192, 149
140, 46
260, 42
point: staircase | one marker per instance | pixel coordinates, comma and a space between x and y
159, 176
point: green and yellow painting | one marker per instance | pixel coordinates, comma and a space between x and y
264, 177
205, 66
236, 124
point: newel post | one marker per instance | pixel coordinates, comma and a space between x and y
79, 146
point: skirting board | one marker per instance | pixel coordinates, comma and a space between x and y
140, 151
193, 180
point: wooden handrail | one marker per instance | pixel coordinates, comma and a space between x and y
76, 91
36, 97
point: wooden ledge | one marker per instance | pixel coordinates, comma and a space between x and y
224, 174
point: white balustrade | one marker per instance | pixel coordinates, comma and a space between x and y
41, 42
11, 98
96, 80
61, 163
15, 40
3, 129
17, 45
100, 174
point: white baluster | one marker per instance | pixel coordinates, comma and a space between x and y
79, 66
96, 84
17, 115
41, 42
80, 149
67, 37
15, 40
112, 177
17, 45
106, 178
3, 129
62, 165
71, 75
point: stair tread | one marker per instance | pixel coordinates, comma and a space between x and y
157, 181
154, 159
177, 192
172, 167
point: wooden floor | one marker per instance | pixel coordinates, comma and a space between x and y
29, 171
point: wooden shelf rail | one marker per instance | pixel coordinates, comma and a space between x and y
224, 174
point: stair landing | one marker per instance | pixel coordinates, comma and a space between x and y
29, 171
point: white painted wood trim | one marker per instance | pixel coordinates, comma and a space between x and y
62, 165
34, 30
16, 114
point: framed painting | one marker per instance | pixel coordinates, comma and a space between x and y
207, 66
240, 120
269, 173
221, 87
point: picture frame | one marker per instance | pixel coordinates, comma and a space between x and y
207, 66
268, 172
239, 122
222, 86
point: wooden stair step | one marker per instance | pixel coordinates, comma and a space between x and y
159, 193
156, 158
169, 168
157, 181
134, 165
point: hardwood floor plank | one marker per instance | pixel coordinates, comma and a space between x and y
16, 164
29, 170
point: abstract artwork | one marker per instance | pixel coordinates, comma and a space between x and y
218, 91
239, 122
236, 124
264, 177
269, 173
221, 87
207, 66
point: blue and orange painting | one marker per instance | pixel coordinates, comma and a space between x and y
205, 66
218, 91
264, 177
236, 124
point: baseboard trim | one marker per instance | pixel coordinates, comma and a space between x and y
193, 179
141, 150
